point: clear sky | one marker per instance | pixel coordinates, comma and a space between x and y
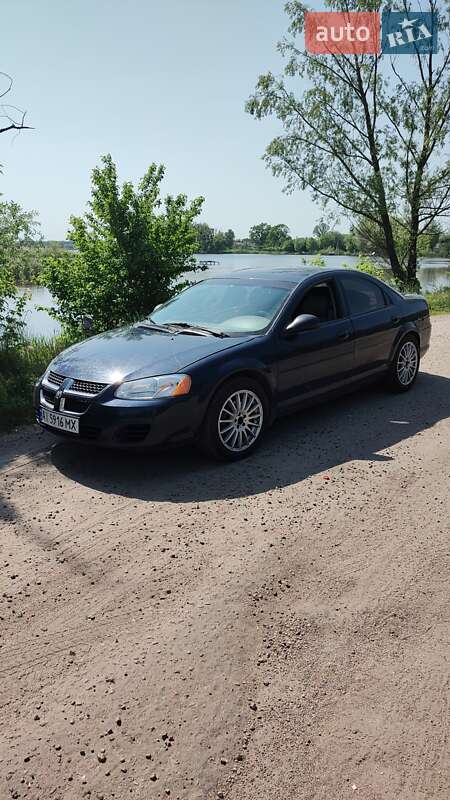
147, 80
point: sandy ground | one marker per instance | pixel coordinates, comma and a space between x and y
268, 630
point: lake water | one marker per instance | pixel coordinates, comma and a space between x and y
433, 274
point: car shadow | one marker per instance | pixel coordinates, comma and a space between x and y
354, 427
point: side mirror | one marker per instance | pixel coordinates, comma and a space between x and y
156, 307
304, 322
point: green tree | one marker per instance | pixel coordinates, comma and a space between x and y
321, 228
271, 237
288, 245
258, 234
229, 239
17, 231
12, 306
277, 236
135, 250
219, 243
205, 237
306, 244
371, 240
363, 135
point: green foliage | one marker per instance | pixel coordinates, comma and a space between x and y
271, 237
19, 247
213, 241
316, 261
439, 301
330, 242
365, 135
366, 265
133, 249
205, 237
258, 234
20, 367
12, 307
321, 229
17, 229
369, 238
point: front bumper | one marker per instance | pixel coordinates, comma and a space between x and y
110, 422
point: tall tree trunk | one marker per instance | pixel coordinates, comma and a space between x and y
425, 154
411, 268
397, 269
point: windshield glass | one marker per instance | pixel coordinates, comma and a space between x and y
224, 306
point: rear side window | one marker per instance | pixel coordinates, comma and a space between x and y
362, 295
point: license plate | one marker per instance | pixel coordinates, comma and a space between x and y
60, 421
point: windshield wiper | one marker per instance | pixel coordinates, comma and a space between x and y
153, 326
199, 329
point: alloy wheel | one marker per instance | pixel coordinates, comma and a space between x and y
407, 363
240, 420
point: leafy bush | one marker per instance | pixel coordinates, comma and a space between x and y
20, 367
439, 301
133, 247
364, 264
12, 306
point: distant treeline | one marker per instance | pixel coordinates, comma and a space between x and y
325, 240
28, 262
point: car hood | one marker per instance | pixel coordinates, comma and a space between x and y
137, 352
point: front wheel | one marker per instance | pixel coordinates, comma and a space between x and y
236, 420
405, 365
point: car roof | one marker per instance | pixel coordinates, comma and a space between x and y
293, 276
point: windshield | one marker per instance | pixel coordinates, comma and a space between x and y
224, 306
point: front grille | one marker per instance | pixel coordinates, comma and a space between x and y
48, 396
89, 387
85, 387
76, 404
54, 378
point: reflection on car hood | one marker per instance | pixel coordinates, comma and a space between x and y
136, 352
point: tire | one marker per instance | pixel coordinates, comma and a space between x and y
405, 365
236, 420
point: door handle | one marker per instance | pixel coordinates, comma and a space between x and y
344, 335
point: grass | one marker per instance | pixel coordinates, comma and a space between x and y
19, 369
439, 301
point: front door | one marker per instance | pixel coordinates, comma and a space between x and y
311, 362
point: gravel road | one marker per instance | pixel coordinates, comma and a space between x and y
271, 630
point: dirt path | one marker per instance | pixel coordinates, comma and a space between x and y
268, 630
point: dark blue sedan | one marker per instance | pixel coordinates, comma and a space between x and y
220, 361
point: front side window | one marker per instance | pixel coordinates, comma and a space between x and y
320, 301
362, 295
232, 307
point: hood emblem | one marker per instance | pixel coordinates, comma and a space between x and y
58, 402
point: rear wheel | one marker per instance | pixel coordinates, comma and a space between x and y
236, 420
405, 365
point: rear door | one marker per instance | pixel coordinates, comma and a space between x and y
375, 322
310, 362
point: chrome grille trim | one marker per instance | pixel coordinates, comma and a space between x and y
88, 387
54, 378
79, 386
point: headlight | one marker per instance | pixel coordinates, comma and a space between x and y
153, 388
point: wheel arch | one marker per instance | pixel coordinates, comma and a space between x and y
244, 372
410, 331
